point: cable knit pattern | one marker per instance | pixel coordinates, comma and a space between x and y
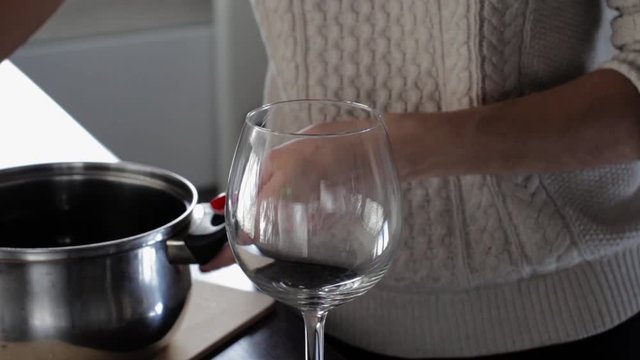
489, 248
433, 259
626, 37
601, 220
502, 24
539, 229
427, 81
457, 49
487, 264
562, 41
378, 52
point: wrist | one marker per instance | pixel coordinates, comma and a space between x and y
432, 144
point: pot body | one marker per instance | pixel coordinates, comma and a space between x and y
83, 258
123, 302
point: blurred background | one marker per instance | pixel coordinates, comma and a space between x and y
160, 82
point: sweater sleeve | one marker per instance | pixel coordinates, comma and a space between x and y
626, 38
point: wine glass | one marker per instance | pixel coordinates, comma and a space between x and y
313, 205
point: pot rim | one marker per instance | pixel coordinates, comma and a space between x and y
124, 171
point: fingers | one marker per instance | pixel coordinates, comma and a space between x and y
272, 188
243, 238
278, 173
224, 258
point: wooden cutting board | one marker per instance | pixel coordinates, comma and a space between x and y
213, 316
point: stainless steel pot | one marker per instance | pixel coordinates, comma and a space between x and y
90, 256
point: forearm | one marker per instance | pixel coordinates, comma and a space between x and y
19, 19
593, 120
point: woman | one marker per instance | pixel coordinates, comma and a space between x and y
519, 166
19, 19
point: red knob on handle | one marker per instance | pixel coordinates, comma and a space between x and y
218, 202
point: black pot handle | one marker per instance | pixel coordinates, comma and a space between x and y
205, 238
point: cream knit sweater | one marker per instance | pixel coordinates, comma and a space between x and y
487, 264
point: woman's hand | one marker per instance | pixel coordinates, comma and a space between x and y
299, 171
224, 258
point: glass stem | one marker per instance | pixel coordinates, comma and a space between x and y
314, 333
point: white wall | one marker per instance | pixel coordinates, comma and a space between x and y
173, 97
240, 67
80, 18
146, 95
